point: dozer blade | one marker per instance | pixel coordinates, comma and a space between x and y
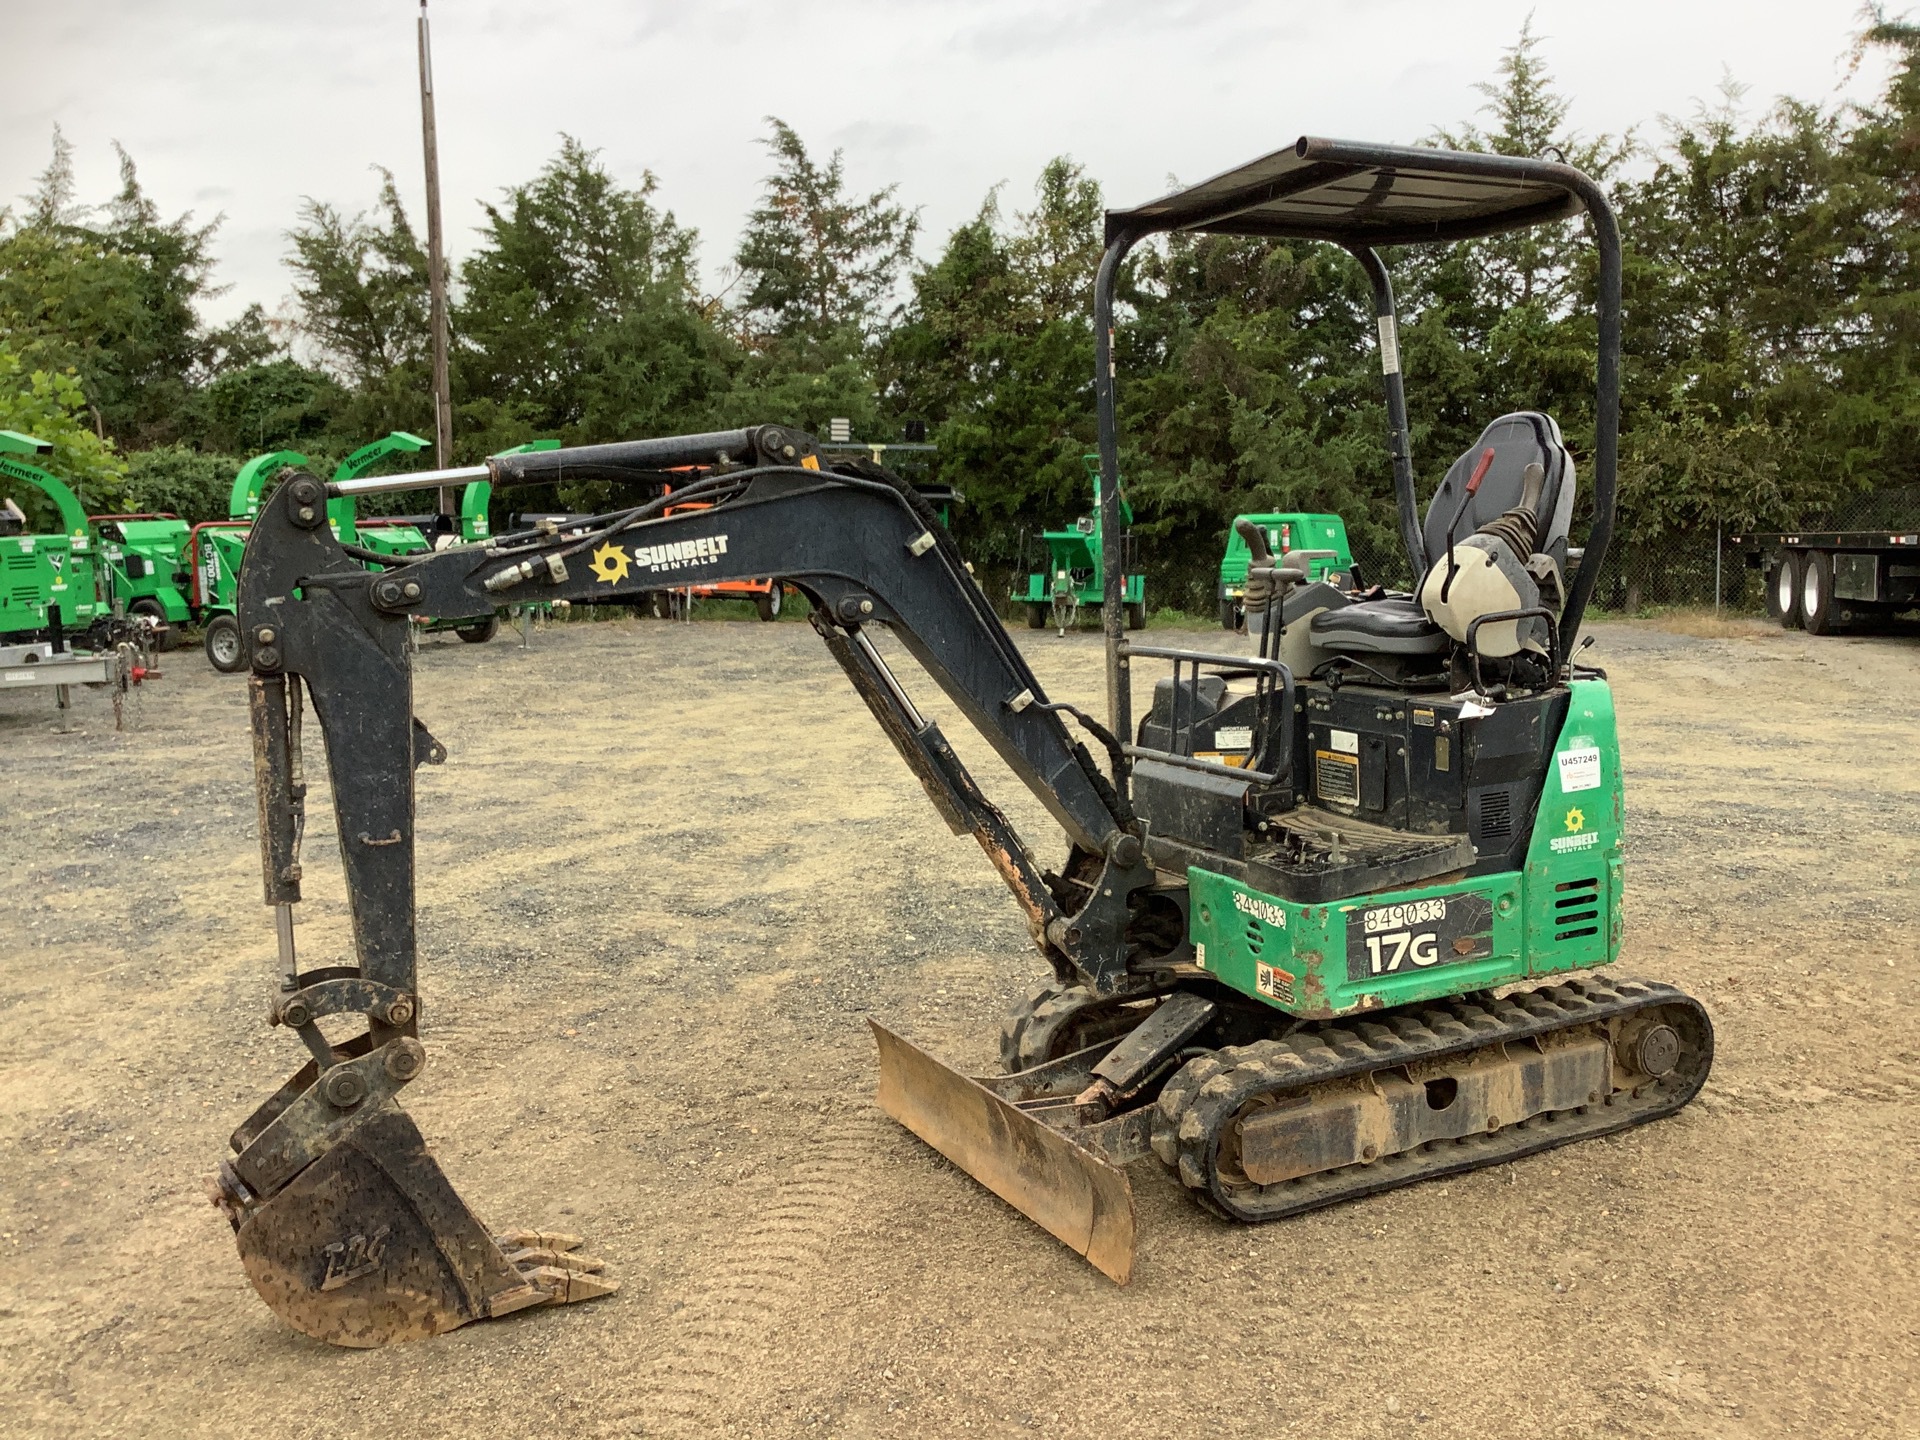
369, 1245
1067, 1190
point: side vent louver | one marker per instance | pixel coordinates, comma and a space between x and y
1496, 815
1256, 936
1576, 909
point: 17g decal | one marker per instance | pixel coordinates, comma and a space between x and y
1412, 935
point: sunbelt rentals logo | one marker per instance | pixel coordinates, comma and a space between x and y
1578, 837
613, 563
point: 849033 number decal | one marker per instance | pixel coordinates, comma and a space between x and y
1414, 935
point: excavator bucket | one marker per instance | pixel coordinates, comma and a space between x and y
370, 1245
1065, 1188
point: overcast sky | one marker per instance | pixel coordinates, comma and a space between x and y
243, 107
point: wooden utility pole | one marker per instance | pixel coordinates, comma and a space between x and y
436, 274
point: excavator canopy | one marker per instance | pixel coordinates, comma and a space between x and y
1363, 195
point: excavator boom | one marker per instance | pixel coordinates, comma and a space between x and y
346, 1225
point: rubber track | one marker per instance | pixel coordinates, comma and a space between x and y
1206, 1095
1030, 1033
1020, 1017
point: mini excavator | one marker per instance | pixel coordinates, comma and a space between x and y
1329, 915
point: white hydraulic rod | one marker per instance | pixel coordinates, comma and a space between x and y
414, 480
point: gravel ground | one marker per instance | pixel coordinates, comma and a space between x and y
668, 872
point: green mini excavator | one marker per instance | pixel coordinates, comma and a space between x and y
1332, 917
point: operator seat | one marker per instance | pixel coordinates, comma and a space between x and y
1397, 625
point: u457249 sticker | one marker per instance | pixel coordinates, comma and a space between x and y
1579, 769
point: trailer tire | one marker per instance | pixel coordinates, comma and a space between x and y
1036, 617
480, 632
1137, 615
226, 647
768, 605
1816, 594
1783, 590
1229, 619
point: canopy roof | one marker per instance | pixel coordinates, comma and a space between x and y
1358, 194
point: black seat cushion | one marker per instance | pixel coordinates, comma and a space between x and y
1518, 440
1392, 626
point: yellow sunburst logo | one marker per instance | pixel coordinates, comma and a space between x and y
1576, 822
609, 564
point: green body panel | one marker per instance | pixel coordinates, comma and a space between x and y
474, 501
216, 555
1039, 589
40, 570
389, 539
1285, 532
1562, 912
1076, 558
148, 562
357, 466
244, 503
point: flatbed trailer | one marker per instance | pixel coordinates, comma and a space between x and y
53, 663
1826, 580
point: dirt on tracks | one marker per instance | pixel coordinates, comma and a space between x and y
668, 872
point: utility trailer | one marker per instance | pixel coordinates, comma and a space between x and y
1826, 580
119, 660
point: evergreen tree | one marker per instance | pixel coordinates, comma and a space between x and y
1506, 323
996, 348
578, 317
1266, 397
817, 266
360, 285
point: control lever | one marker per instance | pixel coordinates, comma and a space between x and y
1268, 590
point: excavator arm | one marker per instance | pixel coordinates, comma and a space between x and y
346, 1225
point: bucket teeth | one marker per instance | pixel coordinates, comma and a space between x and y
538, 1240
566, 1285
554, 1250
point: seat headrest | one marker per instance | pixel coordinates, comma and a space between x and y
1518, 440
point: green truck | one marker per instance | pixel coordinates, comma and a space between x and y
1285, 533
1074, 577
48, 580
